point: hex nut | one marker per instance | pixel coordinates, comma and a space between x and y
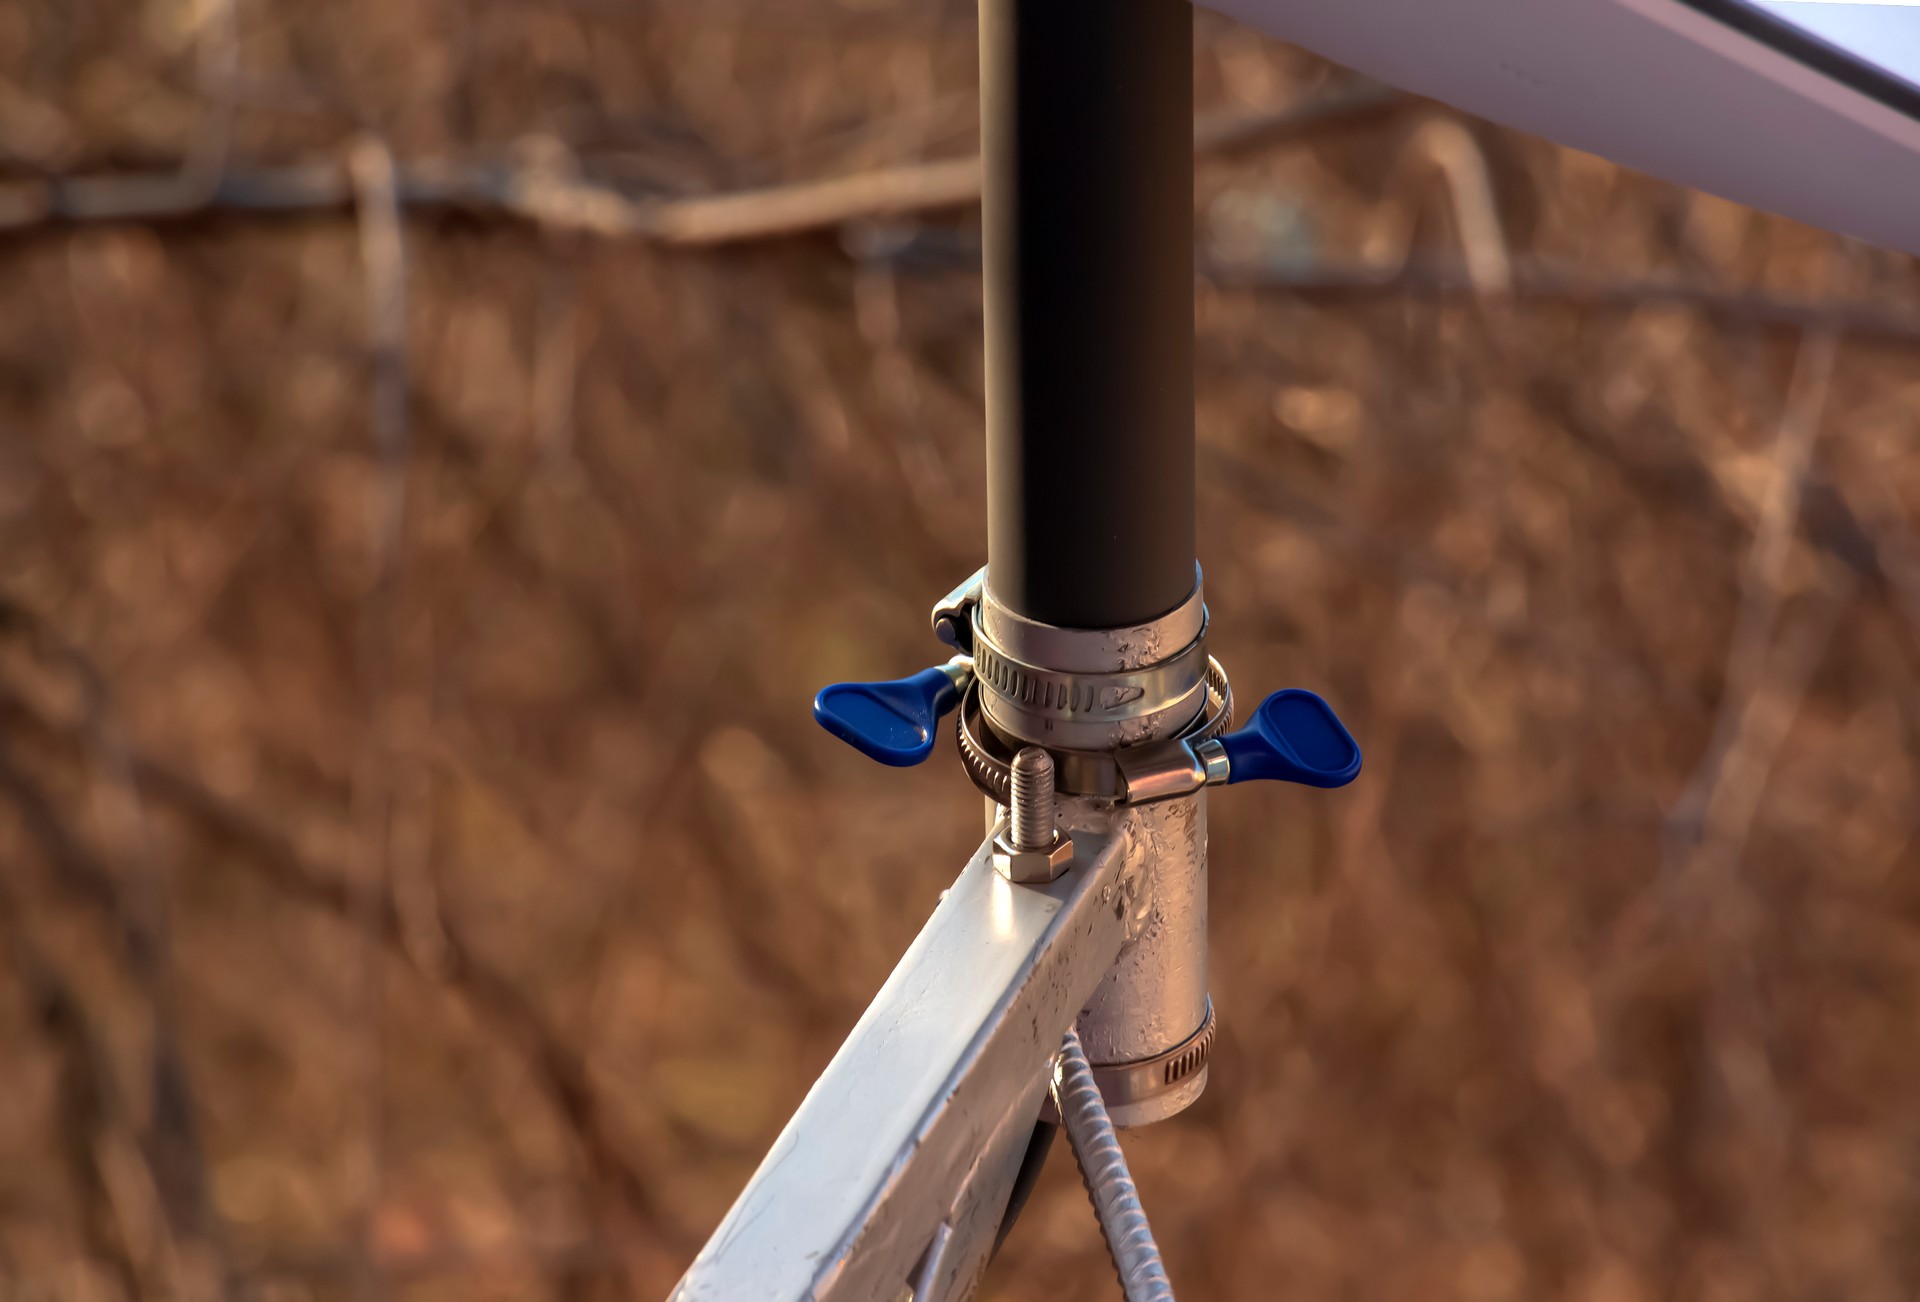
1032, 867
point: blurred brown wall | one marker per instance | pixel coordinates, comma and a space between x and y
419, 874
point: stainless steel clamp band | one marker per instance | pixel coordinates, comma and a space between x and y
1182, 1069
1092, 650
986, 757
1089, 697
1087, 689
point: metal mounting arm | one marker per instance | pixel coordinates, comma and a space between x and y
894, 1172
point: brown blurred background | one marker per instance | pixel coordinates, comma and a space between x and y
423, 526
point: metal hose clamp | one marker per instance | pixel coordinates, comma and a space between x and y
1089, 689
1094, 650
1181, 1071
986, 756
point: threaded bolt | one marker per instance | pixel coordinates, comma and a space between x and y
1031, 814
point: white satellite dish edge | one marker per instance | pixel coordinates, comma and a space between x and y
1656, 85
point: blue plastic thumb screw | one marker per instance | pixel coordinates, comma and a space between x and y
890, 722
1294, 737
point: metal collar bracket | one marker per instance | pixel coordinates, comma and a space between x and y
953, 613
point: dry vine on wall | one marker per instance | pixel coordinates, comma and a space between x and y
446, 446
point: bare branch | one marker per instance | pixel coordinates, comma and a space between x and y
1539, 279
86, 1104
384, 267
926, 187
155, 1191
1705, 898
489, 992
1717, 809
140, 914
548, 187
1350, 101
1445, 145
1551, 281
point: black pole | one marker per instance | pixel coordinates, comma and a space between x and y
1087, 126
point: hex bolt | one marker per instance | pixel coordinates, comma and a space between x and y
1031, 814
1029, 848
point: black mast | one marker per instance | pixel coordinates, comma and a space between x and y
1087, 124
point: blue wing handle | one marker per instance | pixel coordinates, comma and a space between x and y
1293, 737
892, 722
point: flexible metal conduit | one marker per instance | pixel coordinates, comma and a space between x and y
1110, 1187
